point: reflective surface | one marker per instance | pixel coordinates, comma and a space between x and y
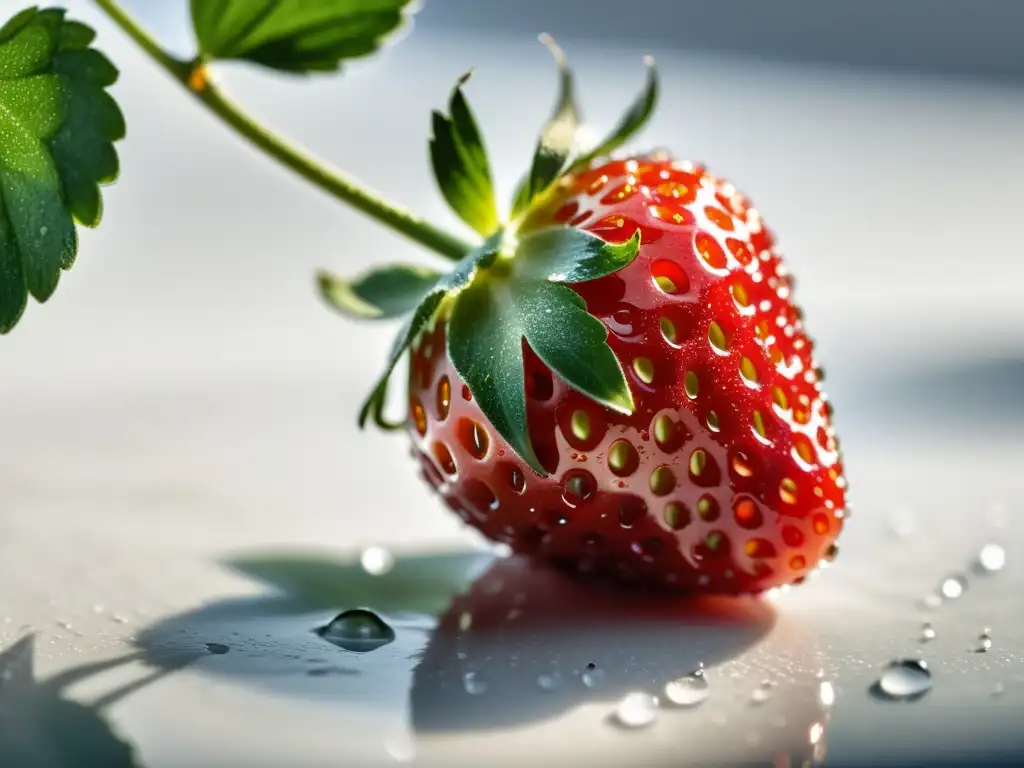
184, 402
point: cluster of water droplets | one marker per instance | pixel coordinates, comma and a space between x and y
911, 679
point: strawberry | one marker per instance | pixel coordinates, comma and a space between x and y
618, 379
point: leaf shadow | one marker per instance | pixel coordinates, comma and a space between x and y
40, 727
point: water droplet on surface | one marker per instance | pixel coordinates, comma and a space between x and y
932, 601
376, 561
551, 681
815, 732
217, 649
592, 676
984, 642
999, 689
357, 630
474, 683
688, 690
905, 679
927, 632
827, 694
992, 558
953, 586
761, 694
636, 710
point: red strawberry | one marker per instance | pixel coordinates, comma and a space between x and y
684, 441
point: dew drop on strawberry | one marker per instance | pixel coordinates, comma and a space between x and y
727, 477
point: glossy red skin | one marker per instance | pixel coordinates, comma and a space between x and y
758, 530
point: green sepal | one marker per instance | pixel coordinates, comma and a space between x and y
630, 123
491, 320
295, 36
448, 284
374, 405
521, 198
460, 164
58, 126
558, 137
381, 293
565, 255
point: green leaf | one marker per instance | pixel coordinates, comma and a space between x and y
58, 126
521, 197
489, 323
631, 122
460, 164
447, 284
296, 36
374, 405
559, 135
565, 255
381, 293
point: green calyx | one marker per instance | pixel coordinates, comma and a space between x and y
511, 289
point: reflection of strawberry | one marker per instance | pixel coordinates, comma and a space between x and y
726, 474
527, 648
617, 378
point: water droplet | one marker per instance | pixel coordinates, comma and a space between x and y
66, 626
688, 690
376, 561
474, 683
97, 609
218, 649
357, 630
551, 681
592, 676
905, 679
927, 632
636, 710
826, 694
761, 694
43, 230
815, 732
999, 689
992, 558
953, 586
984, 642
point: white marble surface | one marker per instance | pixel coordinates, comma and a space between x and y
185, 397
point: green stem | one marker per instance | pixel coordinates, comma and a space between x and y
193, 76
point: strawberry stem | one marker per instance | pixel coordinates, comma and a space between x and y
193, 76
